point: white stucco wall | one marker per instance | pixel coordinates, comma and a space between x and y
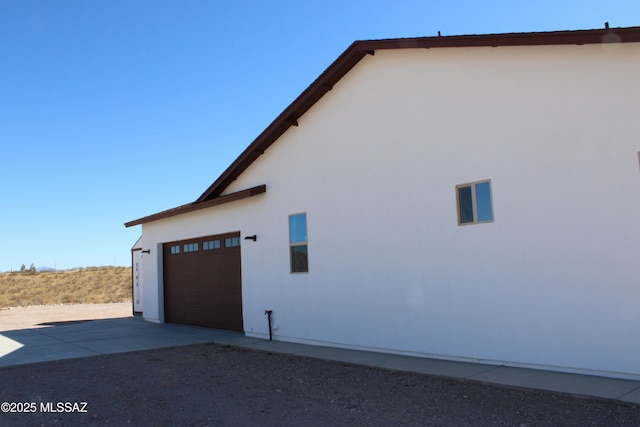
553, 282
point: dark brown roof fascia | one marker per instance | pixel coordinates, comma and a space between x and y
239, 195
289, 117
359, 49
580, 37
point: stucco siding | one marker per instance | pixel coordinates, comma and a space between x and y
552, 282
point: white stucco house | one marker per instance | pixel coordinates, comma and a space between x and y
468, 198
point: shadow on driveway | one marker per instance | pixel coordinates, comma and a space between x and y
73, 339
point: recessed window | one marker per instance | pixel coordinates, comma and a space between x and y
474, 203
190, 247
175, 249
298, 243
230, 242
210, 245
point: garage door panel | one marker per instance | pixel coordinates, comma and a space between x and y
203, 287
213, 264
229, 288
212, 280
193, 317
231, 264
228, 302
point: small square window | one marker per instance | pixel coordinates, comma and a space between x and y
474, 203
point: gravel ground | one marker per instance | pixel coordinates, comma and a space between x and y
213, 385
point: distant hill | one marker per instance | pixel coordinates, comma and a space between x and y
45, 269
87, 286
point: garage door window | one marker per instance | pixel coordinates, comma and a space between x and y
191, 247
230, 242
210, 245
175, 249
298, 243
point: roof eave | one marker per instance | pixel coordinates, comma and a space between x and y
289, 117
359, 49
349, 59
191, 207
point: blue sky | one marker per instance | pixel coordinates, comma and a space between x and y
113, 110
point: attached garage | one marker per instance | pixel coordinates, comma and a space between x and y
202, 282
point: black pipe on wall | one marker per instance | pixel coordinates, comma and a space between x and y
268, 313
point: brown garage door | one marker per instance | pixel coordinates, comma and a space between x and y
202, 284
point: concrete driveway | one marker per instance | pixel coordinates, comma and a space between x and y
72, 339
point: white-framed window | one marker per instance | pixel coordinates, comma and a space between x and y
298, 243
474, 202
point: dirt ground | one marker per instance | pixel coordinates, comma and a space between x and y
14, 318
213, 385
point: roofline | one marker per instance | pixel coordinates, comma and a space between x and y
359, 49
135, 246
349, 59
190, 207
